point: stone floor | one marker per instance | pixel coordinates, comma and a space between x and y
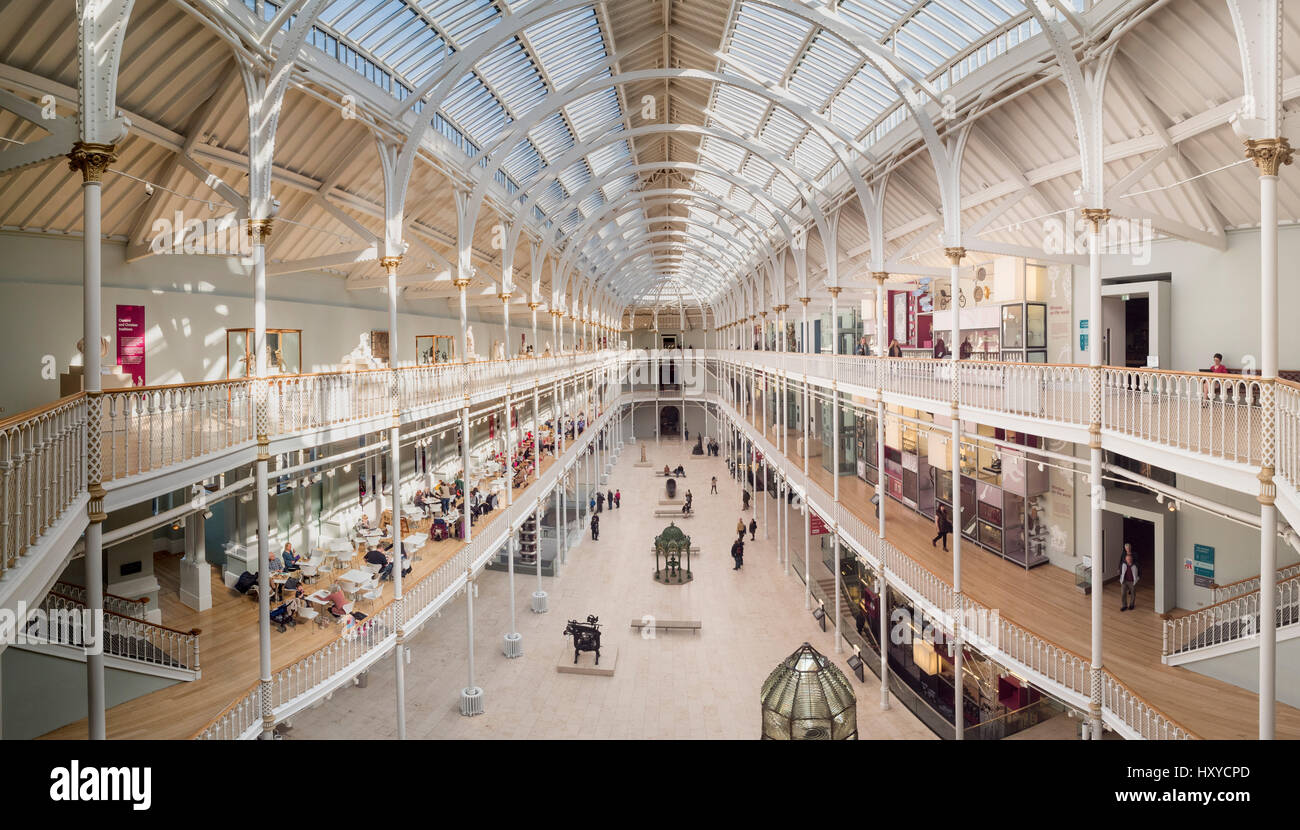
679, 685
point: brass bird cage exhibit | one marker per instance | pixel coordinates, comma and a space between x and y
807, 698
671, 547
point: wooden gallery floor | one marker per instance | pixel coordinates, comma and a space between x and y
228, 647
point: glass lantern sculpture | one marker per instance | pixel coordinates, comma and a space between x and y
807, 698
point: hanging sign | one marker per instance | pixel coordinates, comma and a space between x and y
817, 525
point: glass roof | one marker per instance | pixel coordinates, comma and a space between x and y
402, 45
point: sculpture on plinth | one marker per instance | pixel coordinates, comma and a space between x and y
470, 352
586, 636
643, 452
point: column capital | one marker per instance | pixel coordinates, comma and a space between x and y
1097, 216
91, 159
504, 296
880, 276
1269, 154
834, 290
763, 314
259, 230
534, 306
805, 300
954, 254
390, 263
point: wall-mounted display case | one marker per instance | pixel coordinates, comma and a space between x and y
1024, 332
434, 348
284, 348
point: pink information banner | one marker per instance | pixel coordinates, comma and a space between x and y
130, 341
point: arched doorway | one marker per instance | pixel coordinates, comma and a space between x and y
669, 420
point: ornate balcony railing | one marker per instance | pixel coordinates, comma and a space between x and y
1230, 620
124, 637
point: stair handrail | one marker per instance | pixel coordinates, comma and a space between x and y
1212, 625
179, 648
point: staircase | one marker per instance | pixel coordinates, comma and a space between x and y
63, 627
1233, 623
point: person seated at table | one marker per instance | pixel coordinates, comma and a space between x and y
384, 559
288, 559
337, 602
275, 564
421, 503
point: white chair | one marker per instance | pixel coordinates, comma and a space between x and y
308, 614
372, 592
309, 572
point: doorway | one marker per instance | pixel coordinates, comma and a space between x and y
1142, 535
668, 420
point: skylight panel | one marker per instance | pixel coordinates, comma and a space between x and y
386, 26
607, 158
826, 64
509, 71
758, 171
592, 114
863, 100
422, 56
462, 20
875, 17
781, 131
711, 184
782, 192
523, 164
724, 154
737, 109
812, 156
569, 45
575, 177
551, 197
618, 188
552, 137
591, 205
472, 106
767, 40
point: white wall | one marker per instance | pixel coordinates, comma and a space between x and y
1215, 300
189, 303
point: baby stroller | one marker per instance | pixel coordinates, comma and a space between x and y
284, 615
439, 530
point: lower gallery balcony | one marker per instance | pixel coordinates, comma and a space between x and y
1046, 601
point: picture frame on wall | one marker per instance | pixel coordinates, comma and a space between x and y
379, 345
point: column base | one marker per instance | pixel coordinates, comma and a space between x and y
539, 602
514, 645
471, 701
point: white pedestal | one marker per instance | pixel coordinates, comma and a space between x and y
514, 645
196, 585
471, 701
539, 602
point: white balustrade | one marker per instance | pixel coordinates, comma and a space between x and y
127, 638
42, 472
1213, 415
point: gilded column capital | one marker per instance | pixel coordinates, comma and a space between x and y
259, 230
880, 276
1269, 154
390, 263
834, 290
504, 296
534, 306
91, 159
1097, 216
805, 300
954, 254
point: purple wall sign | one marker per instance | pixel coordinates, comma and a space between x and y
130, 341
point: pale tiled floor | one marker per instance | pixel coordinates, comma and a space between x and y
679, 685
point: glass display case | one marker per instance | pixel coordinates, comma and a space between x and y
284, 347
1024, 332
434, 348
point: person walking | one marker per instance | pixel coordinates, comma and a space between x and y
591, 506
740, 528
943, 525
600, 501
1128, 579
714, 486
686, 508
609, 499
595, 527
738, 554
744, 495
753, 528
618, 499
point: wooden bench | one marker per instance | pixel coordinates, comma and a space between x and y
662, 474
669, 625
668, 513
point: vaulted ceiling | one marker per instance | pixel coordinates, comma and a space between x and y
664, 150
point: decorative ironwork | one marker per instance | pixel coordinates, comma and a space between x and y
672, 544
586, 636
